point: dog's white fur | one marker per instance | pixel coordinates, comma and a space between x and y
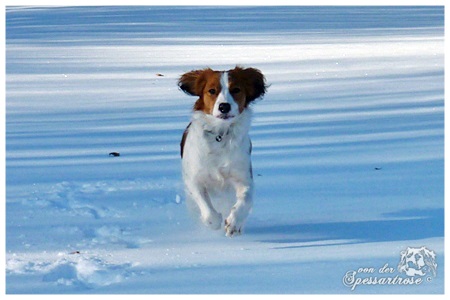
227, 163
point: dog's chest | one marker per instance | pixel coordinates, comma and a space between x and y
218, 144
218, 155
223, 162
213, 152
222, 150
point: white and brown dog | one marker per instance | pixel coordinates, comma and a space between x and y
216, 147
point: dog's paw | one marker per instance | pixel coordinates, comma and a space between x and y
213, 220
232, 227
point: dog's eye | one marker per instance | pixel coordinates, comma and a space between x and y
212, 91
235, 90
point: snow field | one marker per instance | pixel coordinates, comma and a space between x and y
347, 149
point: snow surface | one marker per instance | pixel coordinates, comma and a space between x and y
348, 148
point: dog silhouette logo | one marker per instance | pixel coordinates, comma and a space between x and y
417, 262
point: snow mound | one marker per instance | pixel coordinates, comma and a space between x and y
74, 269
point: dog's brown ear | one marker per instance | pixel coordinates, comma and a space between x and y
258, 83
192, 83
254, 80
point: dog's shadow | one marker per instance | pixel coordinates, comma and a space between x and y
403, 225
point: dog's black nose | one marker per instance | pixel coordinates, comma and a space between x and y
224, 108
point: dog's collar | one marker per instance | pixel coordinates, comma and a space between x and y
218, 136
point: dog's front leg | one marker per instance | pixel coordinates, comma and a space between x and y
242, 208
209, 216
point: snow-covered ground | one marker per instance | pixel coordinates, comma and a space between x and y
348, 148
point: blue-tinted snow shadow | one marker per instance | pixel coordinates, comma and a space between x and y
399, 226
123, 24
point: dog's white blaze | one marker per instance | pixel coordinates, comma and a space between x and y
225, 97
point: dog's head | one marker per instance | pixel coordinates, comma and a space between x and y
223, 94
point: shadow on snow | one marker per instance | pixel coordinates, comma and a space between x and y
400, 226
